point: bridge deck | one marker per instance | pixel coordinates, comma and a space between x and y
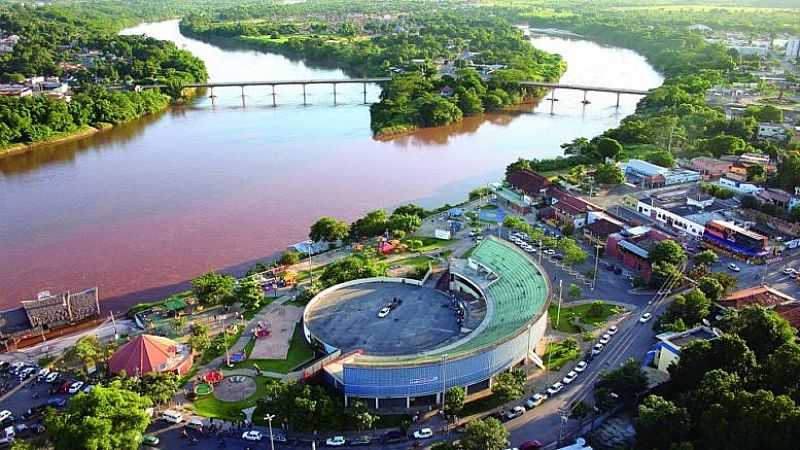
580, 87
275, 83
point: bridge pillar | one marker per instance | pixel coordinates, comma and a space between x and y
365, 93
552, 100
212, 96
304, 94
334, 93
243, 104
585, 102
617, 99
273, 96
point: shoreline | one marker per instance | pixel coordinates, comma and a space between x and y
18, 149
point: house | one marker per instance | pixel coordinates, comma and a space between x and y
758, 295
632, 247
599, 227
775, 131
710, 168
777, 197
529, 183
512, 199
667, 351
15, 90
739, 187
568, 209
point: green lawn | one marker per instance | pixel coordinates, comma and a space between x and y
429, 243
587, 315
481, 405
557, 354
209, 406
299, 353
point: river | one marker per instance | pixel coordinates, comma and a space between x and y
142, 208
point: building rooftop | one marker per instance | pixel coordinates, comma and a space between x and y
603, 228
759, 295
529, 182
676, 340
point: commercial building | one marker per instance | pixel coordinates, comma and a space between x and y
632, 248
651, 175
566, 208
735, 239
600, 226
774, 131
667, 351
417, 352
683, 210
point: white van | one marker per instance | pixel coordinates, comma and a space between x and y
171, 416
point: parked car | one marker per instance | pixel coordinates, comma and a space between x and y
536, 400
26, 372
515, 412
57, 402
361, 440
423, 433
384, 312
597, 349
605, 338
150, 440
252, 435
6, 418
42, 373
4, 366
580, 367
52, 377
335, 441
645, 318
35, 411
733, 267
570, 377
612, 330
531, 445
75, 387
555, 389
789, 271
392, 437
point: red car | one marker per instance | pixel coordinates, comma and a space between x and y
531, 445
64, 388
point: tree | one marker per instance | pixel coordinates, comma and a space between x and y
756, 173
289, 258
372, 224
509, 385
406, 223
159, 387
723, 145
712, 288
478, 193
350, 268
88, 348
107, 418
199, 340
574, 291
454, 400
788, 175
607, 148
728, 352
609, 174
762, 329
573, 253
781, 371
486, 434
213, 288
328, 229
627, 382
667, 251
706, 258
661, 158
359, 415
664, 272
445, 446
249, 293
727, 281
414, 210
660, 423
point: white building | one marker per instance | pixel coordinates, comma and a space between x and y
668, 350
739, 186
793, 49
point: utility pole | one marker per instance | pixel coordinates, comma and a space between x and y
596, 263
269, 418
558, 311
564, 414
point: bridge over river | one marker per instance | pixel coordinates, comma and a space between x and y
364, 81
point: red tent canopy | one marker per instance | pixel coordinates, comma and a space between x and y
145, 354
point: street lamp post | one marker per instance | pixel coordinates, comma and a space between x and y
269, 418
596, 263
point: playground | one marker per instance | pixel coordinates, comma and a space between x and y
273, 335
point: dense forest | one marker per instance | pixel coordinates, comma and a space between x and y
83, 50
364, 40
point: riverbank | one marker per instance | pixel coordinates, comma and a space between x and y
62, 138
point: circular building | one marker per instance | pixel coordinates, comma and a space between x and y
396, 343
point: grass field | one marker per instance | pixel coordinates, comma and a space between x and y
558, 354
299, 353
588, 315
209, 406
429, 243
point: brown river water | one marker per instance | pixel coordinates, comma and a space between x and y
142, 208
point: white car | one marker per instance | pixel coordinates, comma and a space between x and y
555, 388
423, 433
75, 387
42, 373
384, 312
734, 267
515, 412
570, 377
51, 377
251, 435
789, 271
580, 367
535, 401
336, 441
605, 338
645, 318
26, 372
597, 349
530, 249
612, 330
549, 251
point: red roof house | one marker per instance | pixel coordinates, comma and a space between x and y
758, 295
148, 353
